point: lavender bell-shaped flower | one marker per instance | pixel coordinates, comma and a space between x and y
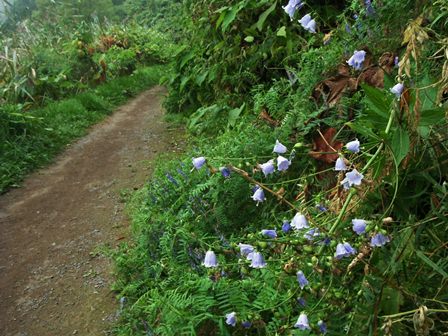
210, 259
199, 162
353, 146
357, 60
302, 322
279, 148
292, 6
282, 163
352, 178
301, 301
269, 233
246, 249
299, 222
311, 234
246, 324
359, 226
379, 240
344, 250
286, 226
225, 172
340, 164
267, 167
322, 327
231, 319
302, 279
258, 196
308, 23
397, 90
257, 260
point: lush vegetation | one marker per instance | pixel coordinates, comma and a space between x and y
89, 58
359, 246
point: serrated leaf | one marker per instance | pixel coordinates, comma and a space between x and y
282, 31
264, 16
400, 144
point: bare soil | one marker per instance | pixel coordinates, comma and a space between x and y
53, 280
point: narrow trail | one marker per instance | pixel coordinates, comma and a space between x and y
53, 281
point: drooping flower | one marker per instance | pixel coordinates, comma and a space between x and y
344, 250
279, 148
322, 327
302, 322
353, 146
258, 196
299, 222
311, 234
321, 208
282, 163
225, 172
286, 226
397, 90
340, 164
308, 23
352, 178
199, 162
292, 6
269, 233
301, 301
231, 319
357, 60
302, 279
210, 259
379, 240
245, 249
370, 11
257, 260
396, 61
267, 167
359, 226
246, 324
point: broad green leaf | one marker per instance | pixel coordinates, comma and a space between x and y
400, 144
264, 16
391, 300
361, 127
249, 39
186, 58
282, 31
234, 114
378, 101
432, 117
200, 78
431, 264
230, 15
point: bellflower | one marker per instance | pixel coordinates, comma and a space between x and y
301, 301
359, 226
397, 90
210, 259
340, 164
353, 146
357, 59
292, 6
301, 279
396, 61
344, 250
286, 226
299, 222
257, 260
231, 319
322, 327
258, 196
269, 233
369, 8
225, 172
279, 148
245, 249
282, 163
352, 178
302, 322
311, 234
267, 167
379, 240
308, 23
246, 324
198, 162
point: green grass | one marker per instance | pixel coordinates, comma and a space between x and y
29, 140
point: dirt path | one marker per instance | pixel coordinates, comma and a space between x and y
52, 280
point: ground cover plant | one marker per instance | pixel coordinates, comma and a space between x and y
313, 200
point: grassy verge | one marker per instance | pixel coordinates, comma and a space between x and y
31, 140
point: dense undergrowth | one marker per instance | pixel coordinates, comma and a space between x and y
342, 237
